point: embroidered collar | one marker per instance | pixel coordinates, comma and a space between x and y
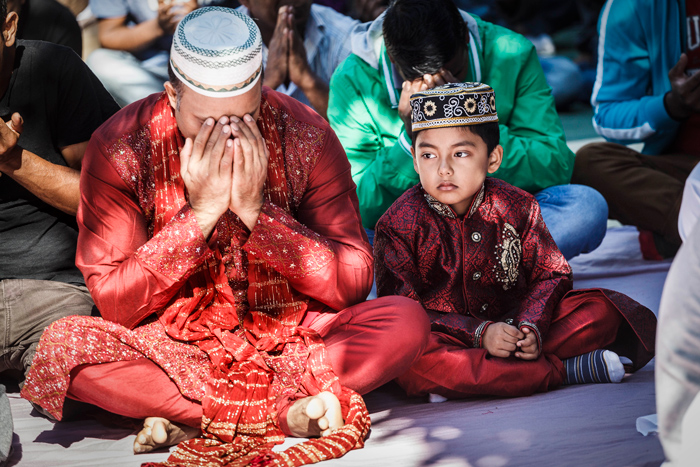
446, 211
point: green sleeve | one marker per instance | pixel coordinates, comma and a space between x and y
373, 137
535, 154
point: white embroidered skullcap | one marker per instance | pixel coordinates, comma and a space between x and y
217, 52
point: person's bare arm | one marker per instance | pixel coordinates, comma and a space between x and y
54, 184
115, 34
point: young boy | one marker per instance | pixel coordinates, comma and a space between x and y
474, 251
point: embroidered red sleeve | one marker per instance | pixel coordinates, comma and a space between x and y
178, 249
289, 247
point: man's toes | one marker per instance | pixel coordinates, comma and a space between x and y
333, 412
159, 433
323, 423
154, 434
315, 408
142, 444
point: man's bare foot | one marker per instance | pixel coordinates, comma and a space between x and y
158, 432
315, 416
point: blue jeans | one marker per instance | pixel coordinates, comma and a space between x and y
576, 216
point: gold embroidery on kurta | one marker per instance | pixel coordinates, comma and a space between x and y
509, 253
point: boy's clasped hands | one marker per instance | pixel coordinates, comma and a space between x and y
503, 340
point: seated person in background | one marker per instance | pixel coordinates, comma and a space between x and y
474, 251
647, 90
221, 241
303, 45
538, 20
50, 103
363, 10
689, 212
678, 357
135, 37
47, 20
419, 44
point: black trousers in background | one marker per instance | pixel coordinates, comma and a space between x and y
641, 190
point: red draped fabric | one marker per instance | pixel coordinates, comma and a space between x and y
251, 355
583, 321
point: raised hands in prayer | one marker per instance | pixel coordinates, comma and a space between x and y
286, 59
409, 88
277, 69
684, 97
299, 69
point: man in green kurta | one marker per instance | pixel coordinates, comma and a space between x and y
419, 44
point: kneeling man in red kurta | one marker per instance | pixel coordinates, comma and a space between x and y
220, 238
476, 254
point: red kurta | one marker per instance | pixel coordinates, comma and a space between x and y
497, 263
321, 249
142, 269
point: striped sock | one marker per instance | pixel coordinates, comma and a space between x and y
599, 366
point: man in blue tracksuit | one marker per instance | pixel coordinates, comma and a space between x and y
645, 91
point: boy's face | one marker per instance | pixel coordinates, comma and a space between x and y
452, 164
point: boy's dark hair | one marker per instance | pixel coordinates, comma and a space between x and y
489, 132
3, 11
422, 35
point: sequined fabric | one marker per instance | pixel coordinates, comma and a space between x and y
496, 263
237, 311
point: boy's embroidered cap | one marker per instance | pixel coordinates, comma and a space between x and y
217, 52
454, 104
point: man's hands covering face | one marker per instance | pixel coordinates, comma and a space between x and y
250, 158
225, 167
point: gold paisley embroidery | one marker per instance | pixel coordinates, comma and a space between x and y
508, 255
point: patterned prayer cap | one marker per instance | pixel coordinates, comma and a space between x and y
217, 52
454, 104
